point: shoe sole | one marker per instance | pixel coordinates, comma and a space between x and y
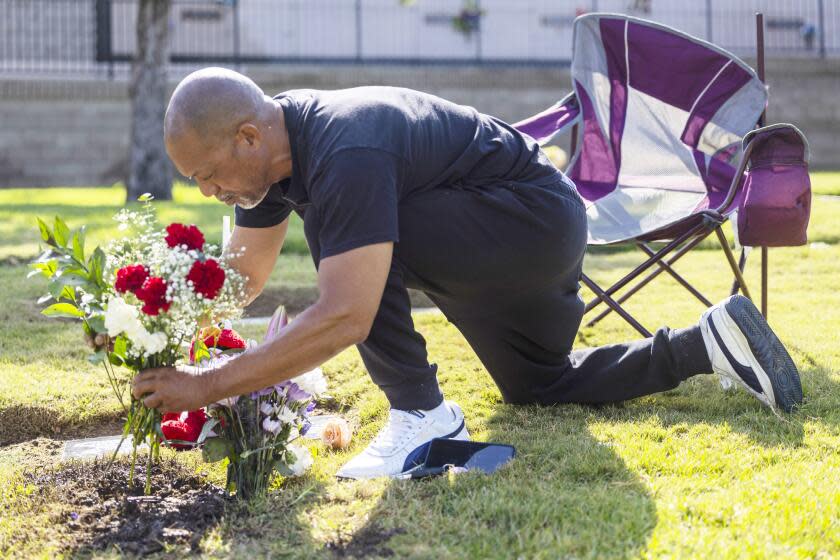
463, 434
767, 351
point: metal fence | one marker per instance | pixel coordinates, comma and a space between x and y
61, 38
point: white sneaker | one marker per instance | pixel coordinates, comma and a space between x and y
402, 442
743, 349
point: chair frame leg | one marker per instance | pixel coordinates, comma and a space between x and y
615, 306
663, 267
764, 255
724, 244
666, 266
658, 256
742, 264
679, 249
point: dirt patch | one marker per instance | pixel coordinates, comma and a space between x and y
33, 454
367, 542
101, 510
296, 299
20, 422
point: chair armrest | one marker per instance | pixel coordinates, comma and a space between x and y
557, 119
738, 178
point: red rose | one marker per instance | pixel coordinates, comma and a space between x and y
185, 430
153, 295
130, 278
179, 234
207, 278
230, 340
223, 339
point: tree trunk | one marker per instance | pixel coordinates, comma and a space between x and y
150, 170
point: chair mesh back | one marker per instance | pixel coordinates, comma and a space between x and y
662, 116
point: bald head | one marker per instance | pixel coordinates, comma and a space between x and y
222, 131
211, 104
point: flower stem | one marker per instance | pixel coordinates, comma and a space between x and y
148, 488
133, 463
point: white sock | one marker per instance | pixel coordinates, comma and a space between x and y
441, 413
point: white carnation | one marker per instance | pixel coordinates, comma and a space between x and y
155, 342
313, 382
120, 317
303, 459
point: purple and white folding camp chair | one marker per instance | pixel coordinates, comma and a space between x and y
661, 150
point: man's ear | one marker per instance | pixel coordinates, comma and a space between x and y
249, 135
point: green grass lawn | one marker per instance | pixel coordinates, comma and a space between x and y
96, 207
691, 473
826, 182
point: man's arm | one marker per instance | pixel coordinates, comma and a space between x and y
253, 252
351, 286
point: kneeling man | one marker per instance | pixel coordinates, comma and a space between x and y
399, 189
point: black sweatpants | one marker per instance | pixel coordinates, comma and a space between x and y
503, 263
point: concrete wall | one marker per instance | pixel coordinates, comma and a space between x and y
76, 133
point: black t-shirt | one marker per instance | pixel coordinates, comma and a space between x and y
357, 153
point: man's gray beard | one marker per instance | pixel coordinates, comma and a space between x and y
248, 203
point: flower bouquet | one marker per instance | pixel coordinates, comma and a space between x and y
140, 301
255, 432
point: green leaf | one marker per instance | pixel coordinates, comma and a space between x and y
115, 360
283, 469
146, 197
97, 323
79, 245
72, 278
46, 234
61, 232
67, 310
120, 347
98, 357
46, 268
215, 449
206, 429
96, 266
200, 351
61, 290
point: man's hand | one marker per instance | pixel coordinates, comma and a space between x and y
171, 390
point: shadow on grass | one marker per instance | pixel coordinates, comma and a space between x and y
702, 401
275, 526
569, 493
565, 495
